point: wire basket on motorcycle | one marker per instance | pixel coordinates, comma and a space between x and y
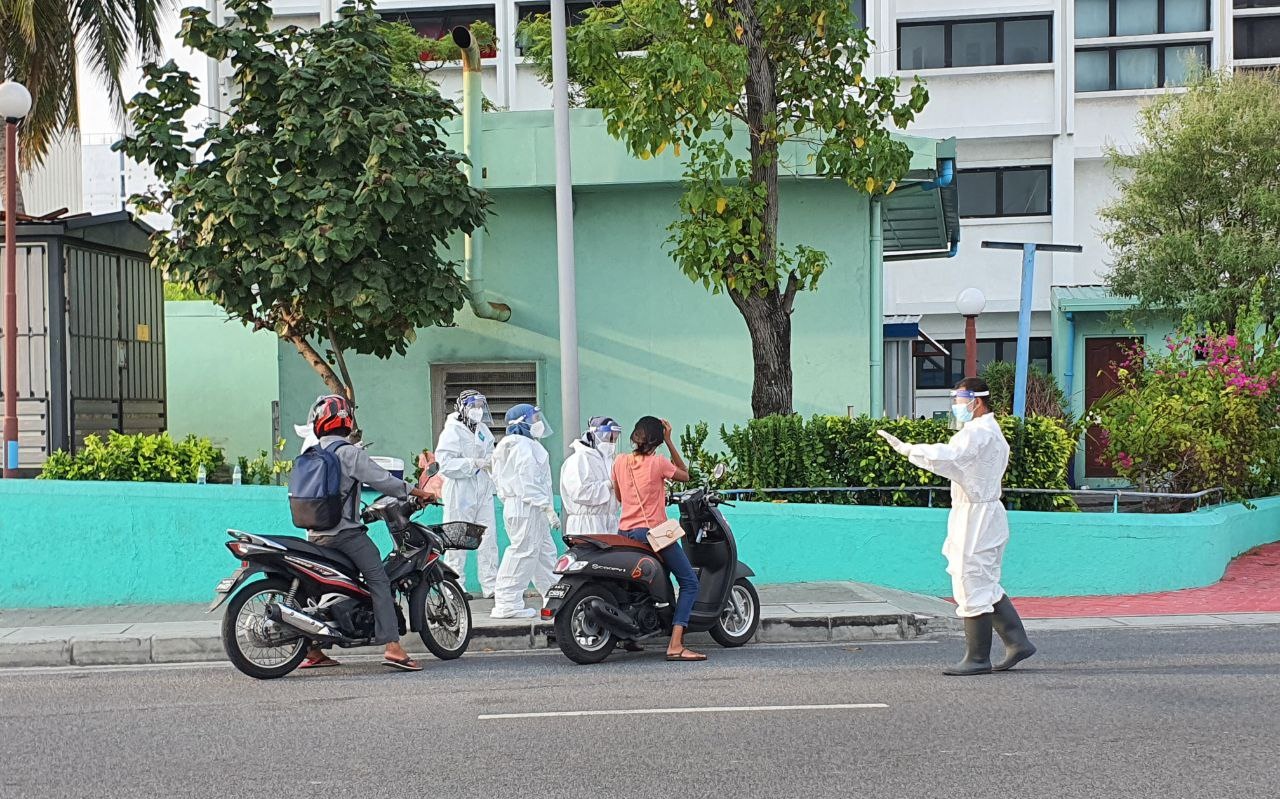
459, 535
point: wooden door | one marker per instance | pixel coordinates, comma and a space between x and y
1101, 357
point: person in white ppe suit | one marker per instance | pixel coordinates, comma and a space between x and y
586, 481
974, 460
465, 455
522, 473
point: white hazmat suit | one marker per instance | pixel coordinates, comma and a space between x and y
586, 489
974, 460
465, 456
522, 473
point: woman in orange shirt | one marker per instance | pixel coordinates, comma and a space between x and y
639, 479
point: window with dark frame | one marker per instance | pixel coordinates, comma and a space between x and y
1153, 66
1257, 37
1247, 4
976, 42
1005, 191
437, 23
937, 371
575, 12
1100, 19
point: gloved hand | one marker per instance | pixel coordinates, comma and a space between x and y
481, 464
899, 446
553, 518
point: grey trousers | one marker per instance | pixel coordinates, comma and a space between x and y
357, 545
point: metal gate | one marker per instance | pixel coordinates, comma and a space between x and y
115, 325
33, 352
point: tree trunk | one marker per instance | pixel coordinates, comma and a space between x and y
768, 316
769, 323
313, 358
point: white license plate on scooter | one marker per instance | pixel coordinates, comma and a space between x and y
558, 591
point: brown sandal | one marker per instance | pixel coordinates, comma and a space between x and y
408, 664
683, 656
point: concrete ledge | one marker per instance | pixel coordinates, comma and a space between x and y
125, 649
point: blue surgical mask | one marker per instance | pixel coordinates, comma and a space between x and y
962, 412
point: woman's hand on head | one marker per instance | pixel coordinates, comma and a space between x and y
666, 431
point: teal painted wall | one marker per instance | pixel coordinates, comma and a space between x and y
651, 341
119, 543
222, 378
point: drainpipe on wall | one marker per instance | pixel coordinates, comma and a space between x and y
473, 148
877, 311
1069, 374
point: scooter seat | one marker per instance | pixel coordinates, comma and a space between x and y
305, 547
610, 541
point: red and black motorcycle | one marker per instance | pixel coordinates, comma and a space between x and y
312, 595
614, 589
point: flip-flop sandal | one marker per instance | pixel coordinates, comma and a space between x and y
680, 656
319, 663
408, 664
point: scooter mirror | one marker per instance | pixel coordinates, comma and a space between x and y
432, 470
719, 471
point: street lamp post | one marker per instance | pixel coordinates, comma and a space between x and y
565, 270
15, 102
1029, 250
970, 303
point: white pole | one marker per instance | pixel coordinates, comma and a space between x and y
327, 11
569, 417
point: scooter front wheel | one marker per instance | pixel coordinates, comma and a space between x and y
581, 638
447, 631
741, 616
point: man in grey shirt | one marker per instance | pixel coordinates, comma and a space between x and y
332, 419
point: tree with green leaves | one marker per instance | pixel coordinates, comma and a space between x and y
1196, 225
320, 205
41, 42
714, 72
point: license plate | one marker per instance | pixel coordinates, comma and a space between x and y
226, 585
558, 591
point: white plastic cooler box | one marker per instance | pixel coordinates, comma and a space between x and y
393, 465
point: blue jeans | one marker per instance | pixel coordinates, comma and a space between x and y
678, 562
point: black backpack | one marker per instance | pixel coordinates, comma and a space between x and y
316, 498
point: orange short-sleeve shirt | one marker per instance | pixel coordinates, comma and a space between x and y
640, 481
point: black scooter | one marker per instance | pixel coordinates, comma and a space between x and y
313, 595
614, 589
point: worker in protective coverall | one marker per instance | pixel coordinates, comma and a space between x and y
522, 473
465, 455
974, 460
586, 481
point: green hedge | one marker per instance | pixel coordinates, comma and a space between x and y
837, 451
136, 458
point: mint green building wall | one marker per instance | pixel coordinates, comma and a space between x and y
651, 341
222, 378
122, 543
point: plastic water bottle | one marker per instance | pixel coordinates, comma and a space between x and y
202, 476
235, 476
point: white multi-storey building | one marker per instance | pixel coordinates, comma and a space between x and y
1033, 90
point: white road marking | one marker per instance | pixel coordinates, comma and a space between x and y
650, 711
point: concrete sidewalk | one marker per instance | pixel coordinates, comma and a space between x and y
136, 634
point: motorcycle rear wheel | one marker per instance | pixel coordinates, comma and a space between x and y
447, 629
246, 636
579, 637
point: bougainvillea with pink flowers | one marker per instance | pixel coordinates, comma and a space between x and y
1201, 412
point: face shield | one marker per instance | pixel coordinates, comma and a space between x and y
603, 430
531, 422
962, 403
473, 409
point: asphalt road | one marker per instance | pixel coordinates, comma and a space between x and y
1126, 713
